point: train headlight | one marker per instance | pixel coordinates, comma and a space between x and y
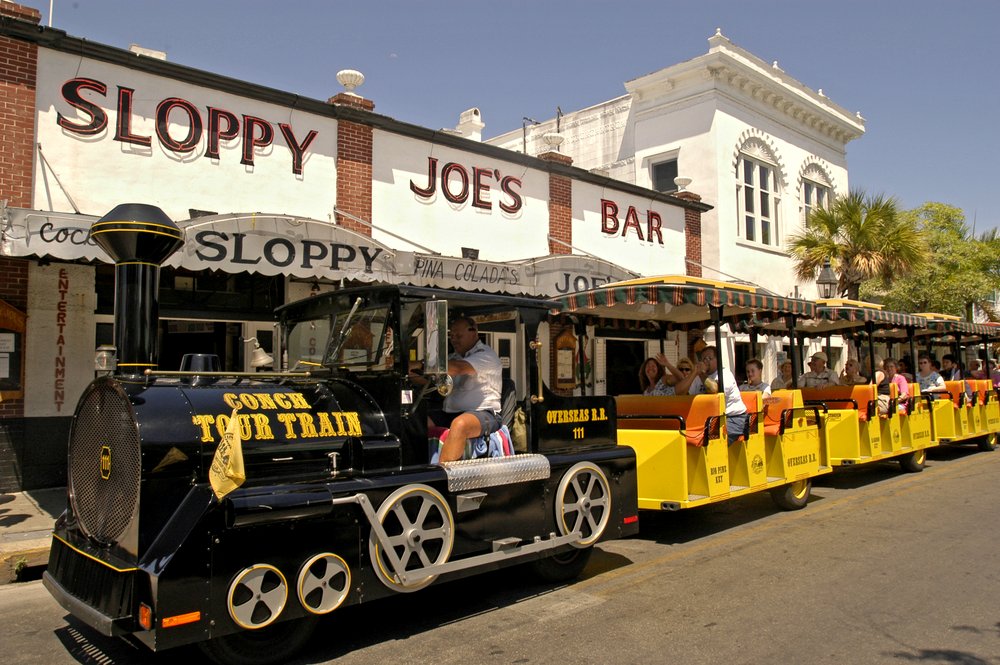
105, 359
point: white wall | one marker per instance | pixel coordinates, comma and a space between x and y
99, 172
444, 226
60, 338
645, 255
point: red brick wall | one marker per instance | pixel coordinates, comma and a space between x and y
560, 213
18, 78
692, 235
692, 241
560, 205
354, 166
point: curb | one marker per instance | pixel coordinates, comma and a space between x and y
29, 553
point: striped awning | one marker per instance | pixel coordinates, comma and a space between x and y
682, 300
962, 329
841, 317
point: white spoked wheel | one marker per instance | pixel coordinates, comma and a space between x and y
420, 530
583, 503
324, 582
257, 596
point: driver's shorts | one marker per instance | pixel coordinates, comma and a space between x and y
488, 420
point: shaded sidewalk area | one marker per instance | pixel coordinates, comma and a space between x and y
26, 520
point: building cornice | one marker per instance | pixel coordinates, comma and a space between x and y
744, 76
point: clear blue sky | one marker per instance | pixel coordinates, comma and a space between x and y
923, 73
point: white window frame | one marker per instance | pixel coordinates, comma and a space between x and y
814, 180
760, 197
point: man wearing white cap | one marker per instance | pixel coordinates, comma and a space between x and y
819, 375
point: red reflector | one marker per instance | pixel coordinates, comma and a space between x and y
631, 519
145, 616
181, 619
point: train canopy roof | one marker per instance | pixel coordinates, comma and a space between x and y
953, 327
685, 301
840, 315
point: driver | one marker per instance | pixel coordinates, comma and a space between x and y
472, 408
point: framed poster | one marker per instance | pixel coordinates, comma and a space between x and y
12, 324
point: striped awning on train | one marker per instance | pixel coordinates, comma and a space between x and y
681, 299
881, 317
938, 324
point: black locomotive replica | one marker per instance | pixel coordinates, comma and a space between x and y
341, 502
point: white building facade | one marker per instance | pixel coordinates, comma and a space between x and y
758, 145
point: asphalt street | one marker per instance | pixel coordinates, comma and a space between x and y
880, 567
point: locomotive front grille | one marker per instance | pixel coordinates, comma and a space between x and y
104, 463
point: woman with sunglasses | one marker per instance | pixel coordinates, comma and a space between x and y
930, 381
654, 380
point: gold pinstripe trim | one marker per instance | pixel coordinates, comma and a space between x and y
176, 236
138, 263
94, 558
162, 226
136, 365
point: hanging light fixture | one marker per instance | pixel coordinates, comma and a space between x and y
827, 281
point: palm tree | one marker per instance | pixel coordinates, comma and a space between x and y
863, 237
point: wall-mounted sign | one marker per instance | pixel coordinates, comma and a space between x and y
181, 126
307, 248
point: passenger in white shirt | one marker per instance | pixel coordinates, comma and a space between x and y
707, 381
819, 375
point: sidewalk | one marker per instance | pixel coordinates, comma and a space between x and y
26, 520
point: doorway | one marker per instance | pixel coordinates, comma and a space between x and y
622, 359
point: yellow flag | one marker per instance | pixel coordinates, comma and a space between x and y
226, 473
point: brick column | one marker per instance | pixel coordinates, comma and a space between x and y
692, 235
560, 228
354, 165
560, 205
18, 80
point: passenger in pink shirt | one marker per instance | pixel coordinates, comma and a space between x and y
886, 376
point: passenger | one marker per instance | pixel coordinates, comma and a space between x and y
886, 376
976, 370
784, 379
994, 374
819, 375
851, 375
685, 375
928, 378
905, 368
950, 371
707, 381
654, 379
472, 408
755, 382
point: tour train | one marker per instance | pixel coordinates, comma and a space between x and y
341, 502
793, 435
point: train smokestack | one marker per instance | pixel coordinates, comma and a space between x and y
139, 238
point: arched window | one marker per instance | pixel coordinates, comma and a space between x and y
758, 197
816, 191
